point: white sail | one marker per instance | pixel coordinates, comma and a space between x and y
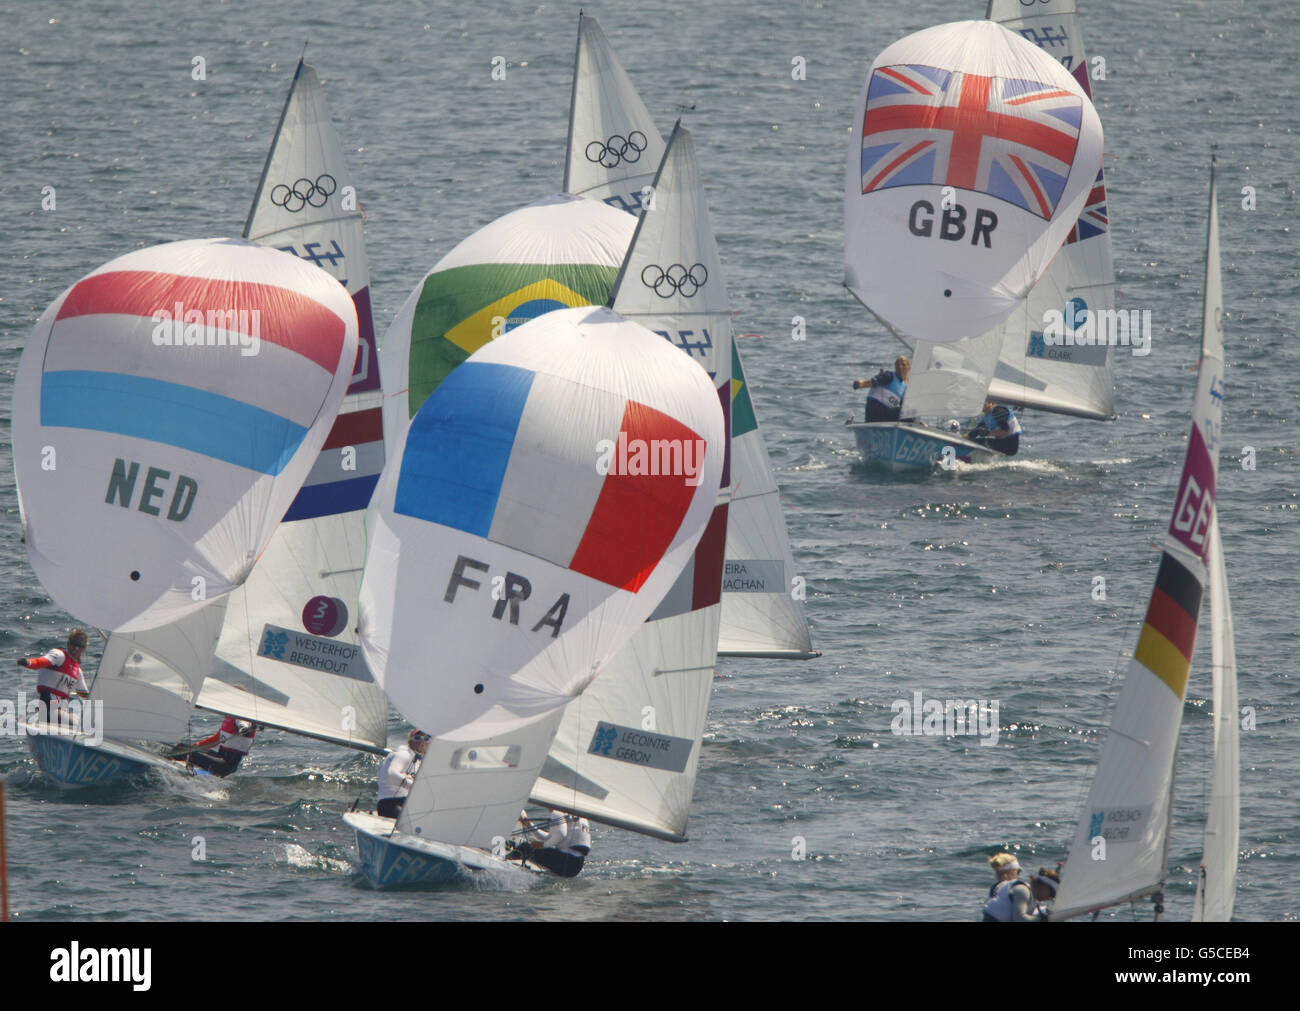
1074, 378
469, 793
1216, 886
1120, 847
149, 681
614, 147
167, 409
762, 603
628, 748
951, 380
971, 155
289, 655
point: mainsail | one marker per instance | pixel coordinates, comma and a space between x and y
628, 748
520, 526
288, 655
761, 617
1075, 379
762, 606
972, 155
614, 147
1131, 800
191, 385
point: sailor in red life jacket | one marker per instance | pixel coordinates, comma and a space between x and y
234, 741
60, 674
559, 844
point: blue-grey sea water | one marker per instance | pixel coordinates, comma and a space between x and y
975, 584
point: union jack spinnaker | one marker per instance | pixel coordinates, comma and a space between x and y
972, 154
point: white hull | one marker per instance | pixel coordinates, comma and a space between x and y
73, 759
391, 859
902, 446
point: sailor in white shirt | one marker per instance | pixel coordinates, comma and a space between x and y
397, 773
559, 844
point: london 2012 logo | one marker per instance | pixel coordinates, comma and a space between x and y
274, 644
617, 149
665, 281
604, 739
304, 193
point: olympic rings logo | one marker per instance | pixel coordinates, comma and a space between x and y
617, 149
676, 278
303, 192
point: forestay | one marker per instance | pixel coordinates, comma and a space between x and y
167, 409
289, 655
971, 157
1131, 798
539, 506
1074, 378
628, 747
614, 147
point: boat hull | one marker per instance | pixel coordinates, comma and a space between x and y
391, 859
899, 446
73, 759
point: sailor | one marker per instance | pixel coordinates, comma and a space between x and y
1045, 883
560, 844
1010, 899
60, 674
885, 401
998, 429
233, 742
397, 773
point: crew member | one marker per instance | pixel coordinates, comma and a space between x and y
1010, 899
998, 429
559, 844
1045, 884
885, 401
60, 674
397, 773
233, 742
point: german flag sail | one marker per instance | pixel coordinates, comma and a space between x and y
1120, 845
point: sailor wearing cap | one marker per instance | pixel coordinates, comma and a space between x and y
397, 773
1010, 900
60, 673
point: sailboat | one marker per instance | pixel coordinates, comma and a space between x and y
762, 616
196, 381
1074, 379
506, 565
973, 153
288, 655
1120, 849
627, 750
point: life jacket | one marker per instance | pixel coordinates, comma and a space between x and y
887, 391
1001, 417
231, 739
999, 908
61, 678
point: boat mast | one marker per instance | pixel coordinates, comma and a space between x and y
573, 98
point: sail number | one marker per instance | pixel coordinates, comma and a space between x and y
1192, 517
121, 487
682, 338
952, 226
508, 593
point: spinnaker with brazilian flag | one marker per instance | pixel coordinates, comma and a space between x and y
559, 252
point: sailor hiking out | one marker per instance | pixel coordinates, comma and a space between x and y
559, 844
999, 429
